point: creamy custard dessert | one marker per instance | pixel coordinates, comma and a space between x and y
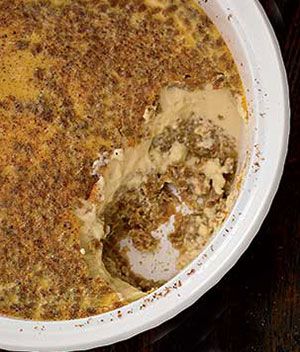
120, 136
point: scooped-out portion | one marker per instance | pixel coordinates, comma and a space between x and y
121, 129
160, 201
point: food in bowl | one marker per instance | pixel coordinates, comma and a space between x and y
121, 125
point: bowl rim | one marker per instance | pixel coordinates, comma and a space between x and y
182, 291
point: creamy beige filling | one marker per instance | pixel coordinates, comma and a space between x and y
131, 166
93, 228
217, 105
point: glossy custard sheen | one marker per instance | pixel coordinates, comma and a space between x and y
88, 89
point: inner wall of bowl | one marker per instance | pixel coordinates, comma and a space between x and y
220, 13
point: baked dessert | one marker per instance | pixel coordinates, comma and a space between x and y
114, 116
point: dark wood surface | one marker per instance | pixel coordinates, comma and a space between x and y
256, 307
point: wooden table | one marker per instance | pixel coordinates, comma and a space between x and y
256, 305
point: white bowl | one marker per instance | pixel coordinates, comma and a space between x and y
250, 37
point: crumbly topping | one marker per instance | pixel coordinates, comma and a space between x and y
201, 173
75, 80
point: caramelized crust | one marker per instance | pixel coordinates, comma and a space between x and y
75, 79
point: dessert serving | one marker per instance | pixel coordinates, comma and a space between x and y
120, 138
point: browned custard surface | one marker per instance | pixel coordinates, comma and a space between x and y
76, 77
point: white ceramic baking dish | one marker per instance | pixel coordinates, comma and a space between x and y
250, 37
